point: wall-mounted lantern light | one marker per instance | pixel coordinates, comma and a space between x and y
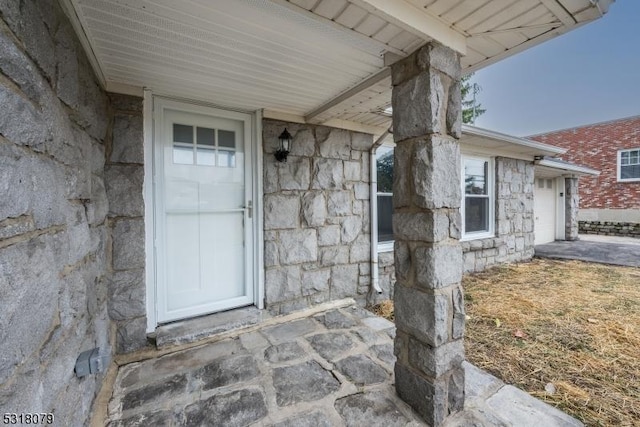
285, 144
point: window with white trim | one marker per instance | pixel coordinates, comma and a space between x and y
477, 208
384, 195
629, 165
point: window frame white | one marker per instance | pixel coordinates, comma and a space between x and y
491, 184
619, 165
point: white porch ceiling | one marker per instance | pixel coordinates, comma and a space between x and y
320, 61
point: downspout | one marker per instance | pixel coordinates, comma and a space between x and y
374, 210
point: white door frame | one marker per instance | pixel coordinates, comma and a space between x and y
150, 189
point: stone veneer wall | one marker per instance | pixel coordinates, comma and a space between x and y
571, 206
123, 176
54, 123
514, 238
316, 216
607, 228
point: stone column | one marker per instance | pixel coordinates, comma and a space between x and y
571, 203
428, 298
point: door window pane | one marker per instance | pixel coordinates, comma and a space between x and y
206, 137
227, 138
182, 133
226, 159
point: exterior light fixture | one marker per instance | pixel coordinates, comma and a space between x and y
285, 144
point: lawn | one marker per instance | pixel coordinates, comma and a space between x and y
567, 332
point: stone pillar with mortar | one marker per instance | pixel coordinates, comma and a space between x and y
571, 203
429, 304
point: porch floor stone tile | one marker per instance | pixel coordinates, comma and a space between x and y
332, 369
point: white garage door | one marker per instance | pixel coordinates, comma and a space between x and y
545, 210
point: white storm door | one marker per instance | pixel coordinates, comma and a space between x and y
204, 223
544, 209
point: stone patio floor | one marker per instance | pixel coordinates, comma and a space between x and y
333, 368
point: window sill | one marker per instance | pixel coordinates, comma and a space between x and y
629, 180
469, 237
385, 247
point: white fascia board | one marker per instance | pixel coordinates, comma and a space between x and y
581, 170
334, 123
417, 21
544, 149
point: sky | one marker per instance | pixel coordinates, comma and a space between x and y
588, 75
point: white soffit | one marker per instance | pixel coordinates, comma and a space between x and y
318, 59
484, 140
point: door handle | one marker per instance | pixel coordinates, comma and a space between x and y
249, 208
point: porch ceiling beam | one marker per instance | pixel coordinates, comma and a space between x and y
369, 40
353, 91
417, 21
560, 12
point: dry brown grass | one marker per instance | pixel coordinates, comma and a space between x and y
570, 324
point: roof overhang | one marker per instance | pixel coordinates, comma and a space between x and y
322, 61
550, 168
484, 141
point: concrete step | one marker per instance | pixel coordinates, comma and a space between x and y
192, 330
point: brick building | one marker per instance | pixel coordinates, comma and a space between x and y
613, 148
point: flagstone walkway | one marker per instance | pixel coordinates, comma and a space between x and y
329, 369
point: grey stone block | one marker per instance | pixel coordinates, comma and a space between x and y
329, 235
314, 208
227, 371
334, 255
370, 408
361, 370
303, 144
339, 203
352, 171
127, 295
361, 141
435, 361
304, 382
436, 173
289, 331
423, 315
281, 211
315, 281
128, 103
314, 419
418, 107
128, 244
131, 335
284, 352
331, 345
298, 246
425, 226
351, 228
344, 281
336, 319
295, 174
328, 174
438, 266
282, 284
124, 189
238, 408
160, 390
334, 143
128, 142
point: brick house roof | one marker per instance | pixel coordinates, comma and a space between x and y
596, 146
